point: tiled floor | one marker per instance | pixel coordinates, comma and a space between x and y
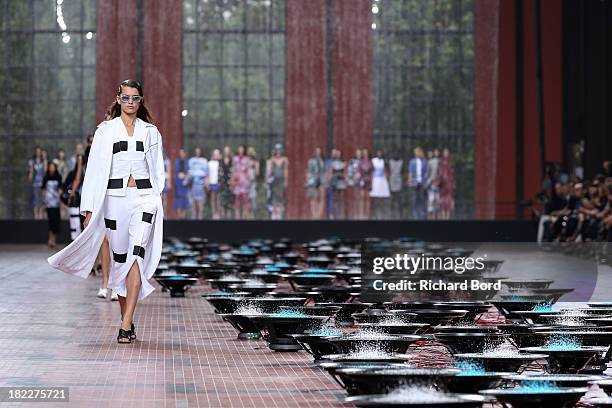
55, 332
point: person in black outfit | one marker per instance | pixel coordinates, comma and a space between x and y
71, 195
51, 186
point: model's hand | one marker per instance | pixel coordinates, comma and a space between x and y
87, 218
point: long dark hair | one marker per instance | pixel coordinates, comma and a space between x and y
114, 110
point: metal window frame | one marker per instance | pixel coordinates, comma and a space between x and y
14, 200
225, 136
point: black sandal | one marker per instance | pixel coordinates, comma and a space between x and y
124, 334
133, 332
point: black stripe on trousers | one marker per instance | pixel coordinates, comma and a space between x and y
110, 224
121, 258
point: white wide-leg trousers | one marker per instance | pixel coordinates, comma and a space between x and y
129, 220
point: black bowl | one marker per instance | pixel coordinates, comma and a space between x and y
191, 269
527, 283
387, 343
332, 367
599, 304
532, 316
367, 359
208, 271
560, 380
273, 305
313, 310
410, 305
399, 328
277, 330
474, 308
223, 284
438, 317
317, 346
246, 328
266, 277
302, 281
514, 328
334, 293
527, 297
473, 382
586, 338
223, 304
553, 293
344, 315
470, 342
177, 285
540, 328
382, 400
319, 261
509, 307
561, 398
566, 361
360, 381
381, 315
466, 329
500, 363
254, 290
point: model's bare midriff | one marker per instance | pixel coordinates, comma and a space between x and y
131, 182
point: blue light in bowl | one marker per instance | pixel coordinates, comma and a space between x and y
543, 307
563, 343
312, 275
289, 313
469, 368
537, 387
316, 270
282, 265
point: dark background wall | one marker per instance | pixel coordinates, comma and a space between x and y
587, 71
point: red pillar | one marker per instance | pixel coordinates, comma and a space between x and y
162, 71
486, 110
115, 49
305, 94
552, 49
553, 105
495, 102
352, 75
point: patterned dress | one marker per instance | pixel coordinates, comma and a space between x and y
447, 185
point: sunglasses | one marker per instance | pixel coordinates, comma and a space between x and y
134, 98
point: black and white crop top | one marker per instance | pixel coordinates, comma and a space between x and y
129, 158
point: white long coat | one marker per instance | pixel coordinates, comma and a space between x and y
79, 256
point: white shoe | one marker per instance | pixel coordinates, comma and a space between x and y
114, 295
102, 293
